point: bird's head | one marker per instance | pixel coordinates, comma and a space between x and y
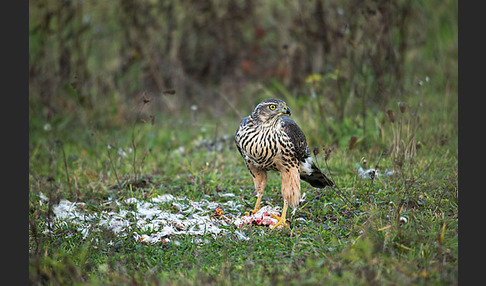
270, 110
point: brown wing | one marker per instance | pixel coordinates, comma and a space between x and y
297, 138
316, 178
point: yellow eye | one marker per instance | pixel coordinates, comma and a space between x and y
272, 107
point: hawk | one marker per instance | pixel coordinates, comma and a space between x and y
269, 141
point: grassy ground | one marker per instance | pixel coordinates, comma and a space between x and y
397, 229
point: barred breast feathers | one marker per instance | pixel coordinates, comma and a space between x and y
257, 143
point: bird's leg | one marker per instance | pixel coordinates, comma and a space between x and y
290, 193
260, 181
257, 204
281, 220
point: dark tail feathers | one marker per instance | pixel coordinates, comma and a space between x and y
317, 179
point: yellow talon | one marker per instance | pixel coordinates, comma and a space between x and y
281, 221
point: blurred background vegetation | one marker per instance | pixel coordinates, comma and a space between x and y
90, 62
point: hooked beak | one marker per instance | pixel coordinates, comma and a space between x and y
286, 110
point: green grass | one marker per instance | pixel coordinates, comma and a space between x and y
360, 240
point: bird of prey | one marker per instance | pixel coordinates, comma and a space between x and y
268, 140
